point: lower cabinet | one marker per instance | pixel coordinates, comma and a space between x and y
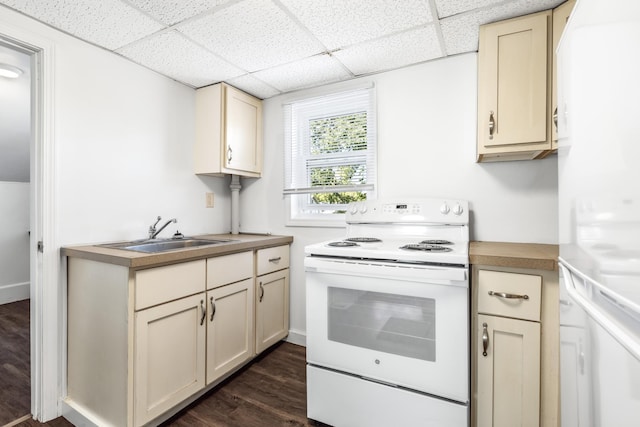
230, 328
272, 296
515, 351
509, 374
169, 353
141, 343
272, 309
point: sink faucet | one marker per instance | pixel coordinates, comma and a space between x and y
152, 229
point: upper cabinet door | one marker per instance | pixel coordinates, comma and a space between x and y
513, 88
228, 132
243, 148
560, 17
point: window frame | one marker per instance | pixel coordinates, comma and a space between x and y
298, 156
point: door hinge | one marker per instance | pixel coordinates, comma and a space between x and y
40, 246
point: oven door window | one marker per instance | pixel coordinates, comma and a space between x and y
395, 324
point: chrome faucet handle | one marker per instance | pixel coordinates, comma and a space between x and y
152, 228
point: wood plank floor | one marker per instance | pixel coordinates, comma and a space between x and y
15, 350
269, 392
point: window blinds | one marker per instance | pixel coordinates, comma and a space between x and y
330, 143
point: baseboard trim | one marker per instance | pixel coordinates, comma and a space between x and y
14, 292
297, 337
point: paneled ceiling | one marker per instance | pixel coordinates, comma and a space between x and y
268, 47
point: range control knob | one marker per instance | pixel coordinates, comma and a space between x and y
353, 209
457, 209
444, 209
363, 208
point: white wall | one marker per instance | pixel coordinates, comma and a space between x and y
14, 241
426, 137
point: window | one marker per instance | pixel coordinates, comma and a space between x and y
330, 156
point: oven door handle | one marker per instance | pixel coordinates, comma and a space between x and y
421, 273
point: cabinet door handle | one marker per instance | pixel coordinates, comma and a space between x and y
508, 296
485, 339
261, 291
229, 154
492, 124
276, 259
555, 118
204, 312
213, 309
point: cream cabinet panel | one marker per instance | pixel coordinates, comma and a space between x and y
161, 284
560, 17
272, 259
272, 309
230, 328
227, 269
509, 373
513, 88
228, 132
169, 363
509, 294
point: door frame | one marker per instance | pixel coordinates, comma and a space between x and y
47, 320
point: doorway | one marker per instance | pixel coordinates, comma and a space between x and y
15, 210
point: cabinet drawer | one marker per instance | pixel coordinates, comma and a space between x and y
162, 284
509, 284
273, 259
227, 269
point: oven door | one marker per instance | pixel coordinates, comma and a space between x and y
398, 324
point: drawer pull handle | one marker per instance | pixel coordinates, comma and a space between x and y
213, 309
508, 296
261, 291
276, 259
204, 312
485, 339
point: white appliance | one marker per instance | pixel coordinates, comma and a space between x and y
388, 317
599, 201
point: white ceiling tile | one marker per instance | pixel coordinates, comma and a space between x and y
460, 32
252, 85
392, 52
453, 7
313, 71
108, 23
339, 23
173, 55
173, 11
253, 34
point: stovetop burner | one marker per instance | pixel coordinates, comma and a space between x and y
436, 242
363, 239
426, 247
342, 244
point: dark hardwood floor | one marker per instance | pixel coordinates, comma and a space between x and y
15, 382
269, 392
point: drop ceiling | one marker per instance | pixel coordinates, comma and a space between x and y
268, 47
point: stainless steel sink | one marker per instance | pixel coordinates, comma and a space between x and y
154, 246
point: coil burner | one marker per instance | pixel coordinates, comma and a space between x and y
425, 247
436, 242
363, 239
342, 244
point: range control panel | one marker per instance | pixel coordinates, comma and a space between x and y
438, 211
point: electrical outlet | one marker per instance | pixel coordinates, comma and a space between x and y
208, 200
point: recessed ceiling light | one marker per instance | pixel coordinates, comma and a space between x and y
10, 71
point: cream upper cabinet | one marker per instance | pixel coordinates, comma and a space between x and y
272, 296
513, 88
228, 132
560, 17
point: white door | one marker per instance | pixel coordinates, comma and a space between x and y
410, 331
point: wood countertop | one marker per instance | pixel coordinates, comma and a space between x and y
535, 256
132, 259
